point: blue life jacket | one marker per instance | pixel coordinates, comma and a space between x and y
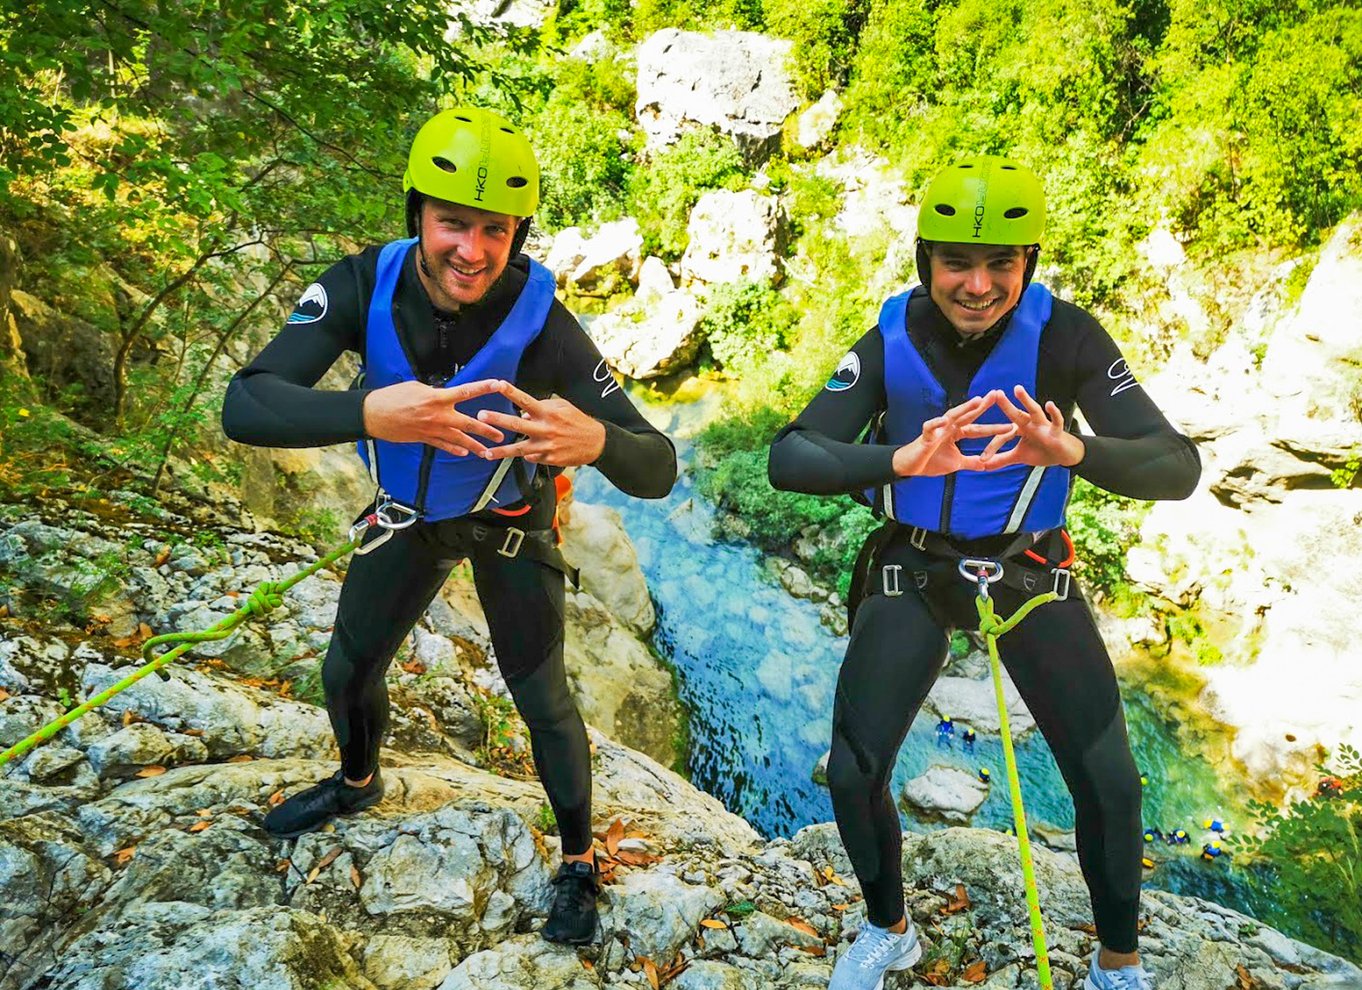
967, 504
438, 484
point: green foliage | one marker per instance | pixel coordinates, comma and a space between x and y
1344, 476
824, 33
744, 321
1104, 527
662, 194
732, 474
545, 820
585, 164
704, 15
1311, 852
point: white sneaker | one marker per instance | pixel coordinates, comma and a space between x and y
1125, 978
875, 952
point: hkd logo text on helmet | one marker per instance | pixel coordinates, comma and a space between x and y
979, 210
482, 183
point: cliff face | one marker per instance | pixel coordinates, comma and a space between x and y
131, 852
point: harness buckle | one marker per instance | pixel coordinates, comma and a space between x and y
511, 545
889, 580
1061, 586
918, 538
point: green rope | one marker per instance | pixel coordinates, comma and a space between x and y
264, 599
992, 627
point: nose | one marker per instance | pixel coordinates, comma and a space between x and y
471, 245
977, 281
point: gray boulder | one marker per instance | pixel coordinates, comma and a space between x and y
650, 341
735, 237
734, 81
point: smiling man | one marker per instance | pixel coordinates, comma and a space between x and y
477, 383
964, 397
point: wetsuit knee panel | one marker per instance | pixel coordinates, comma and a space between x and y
852, 767
1111, 771
542, 696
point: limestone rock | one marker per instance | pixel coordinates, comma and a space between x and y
650, 342
654, 280
512, 13
64, 350
594, 540
735, 237
975, 703
1317, 343
946, 794
601, 264
815, 124
735, 81
620, 686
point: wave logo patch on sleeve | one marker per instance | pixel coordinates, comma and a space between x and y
848, 373
310, 308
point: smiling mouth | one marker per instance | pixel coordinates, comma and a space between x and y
976, 307
467, 272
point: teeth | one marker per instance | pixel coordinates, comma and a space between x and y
976, 307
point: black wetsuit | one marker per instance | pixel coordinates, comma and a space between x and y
272, 402
1055, 657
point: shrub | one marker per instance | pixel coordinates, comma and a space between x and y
662, 195
1310, 883
744, 322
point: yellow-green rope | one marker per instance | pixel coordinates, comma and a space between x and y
268, 596
992, 627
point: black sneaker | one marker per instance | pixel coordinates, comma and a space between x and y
572, 920
310, 808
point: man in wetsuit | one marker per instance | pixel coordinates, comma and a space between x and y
971, 381
476, 380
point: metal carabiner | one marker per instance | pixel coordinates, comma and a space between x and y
982, 572
386, 504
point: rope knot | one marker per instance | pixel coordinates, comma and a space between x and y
265, 598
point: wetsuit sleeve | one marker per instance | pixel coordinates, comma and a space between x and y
818, 453
1134, 451
272, 403
637, 458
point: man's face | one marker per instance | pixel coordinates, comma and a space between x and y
466, 250
975, 284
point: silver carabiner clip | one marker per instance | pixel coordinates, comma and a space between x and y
982, 572
407, 515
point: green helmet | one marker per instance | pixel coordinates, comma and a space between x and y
474, 157
983, 200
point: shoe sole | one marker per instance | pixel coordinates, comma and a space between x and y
569, 941
362, 806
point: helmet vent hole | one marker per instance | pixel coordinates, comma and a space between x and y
507, 130
517, 181
444, 164
1016, 212
944, 210
967, 166
1008, 168
466, 120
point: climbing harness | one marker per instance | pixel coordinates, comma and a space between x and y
984, 573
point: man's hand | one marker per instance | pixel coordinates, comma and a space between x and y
935, 453
556, 432
1042, 440
410, 412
